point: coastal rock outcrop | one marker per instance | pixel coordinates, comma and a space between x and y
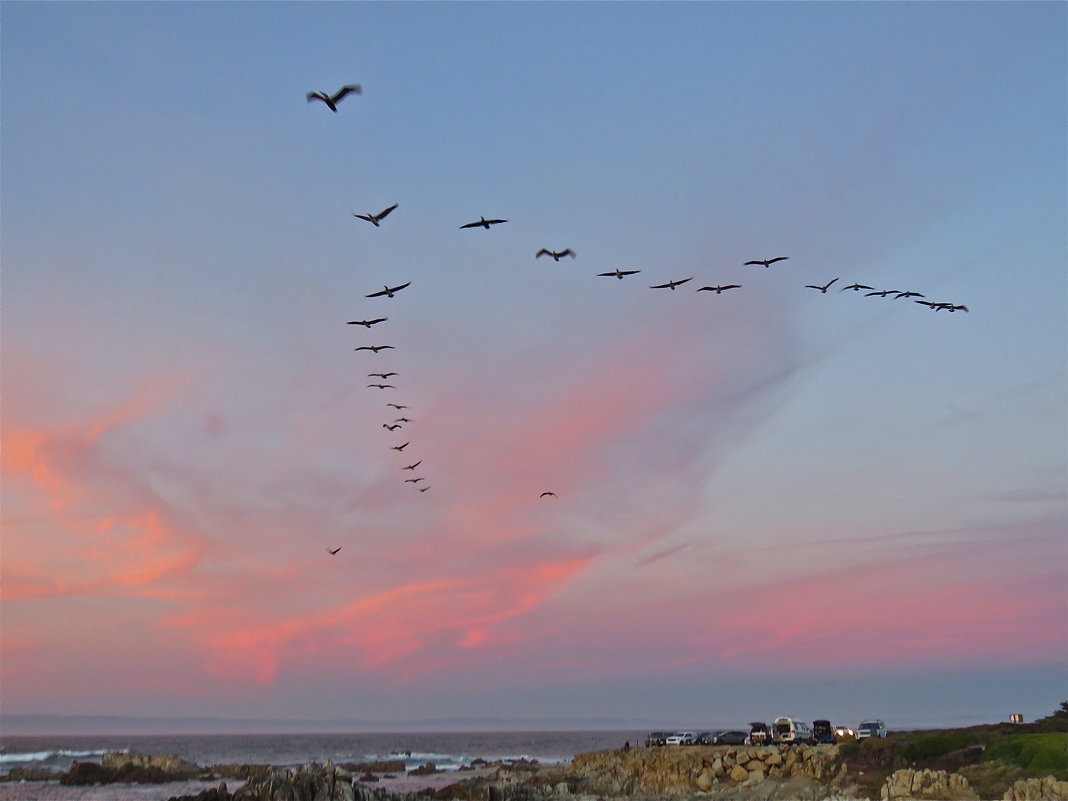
117, 767
912, 785
1047, 789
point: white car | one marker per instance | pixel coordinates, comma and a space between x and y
870, 728
682, 738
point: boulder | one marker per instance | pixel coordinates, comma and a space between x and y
739, 774
1047, 789
908, 784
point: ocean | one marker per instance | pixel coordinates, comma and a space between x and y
447, 750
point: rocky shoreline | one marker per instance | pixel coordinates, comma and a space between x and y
716, 773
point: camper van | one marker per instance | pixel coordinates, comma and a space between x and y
790, 730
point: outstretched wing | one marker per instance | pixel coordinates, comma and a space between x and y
382, 214
378, 294
543, 252
398, 288
352, 88
471, 225
777, 258
316, 96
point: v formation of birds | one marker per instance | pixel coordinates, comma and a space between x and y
388, 291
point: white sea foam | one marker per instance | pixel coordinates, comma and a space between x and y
43, 756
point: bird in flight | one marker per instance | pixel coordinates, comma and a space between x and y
392, 427
382, 386
383, 376
482, 223
718, 289
939, 306
368, 323
422, 489
547, 495
400, 447
332, 100
375, 218
374, 348
388, 291
413, 466
856, 287
768, 262
556, 254
396, 406
672, 284
823, 288
402, 420
618, 273
882, 293
910, 294
333, 551
414, 480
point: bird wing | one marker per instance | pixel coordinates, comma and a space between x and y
471, 225
754, 262
385, 212
367, 217
543, 252
399, 288
830, 282
316, 96
352, 88
494, 222
731, 286
682, 280
377, 294
567, 252
777, 258
661, 286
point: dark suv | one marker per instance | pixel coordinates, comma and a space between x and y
822, 732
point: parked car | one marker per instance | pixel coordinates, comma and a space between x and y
759, 733
790, 730
681, 738
706, 738
870, 728
841, 732
732, 737
822, 732
656, 738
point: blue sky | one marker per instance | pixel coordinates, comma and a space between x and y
769, 484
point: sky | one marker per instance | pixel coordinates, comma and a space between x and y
769, 500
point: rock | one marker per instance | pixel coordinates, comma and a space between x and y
310, 782
908, 784
773, 759
756, 775
29, 774
704, 781
213, 794
1047, 789
739, 774
426, 769
168, 763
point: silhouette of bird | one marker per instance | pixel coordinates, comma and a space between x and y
556, 254
374, 348
388, 291
718, 289
856, 287
618, 273
882, 293
952, 308
414, 480
672, 284
482, 223
332, 100
910, 294
547, 495
413, 466
768, 262
368, 323
391, 427
422, 489
823, 289
333, 551
400, 447
382, 386
396, 406
402, 420
383, 376
375, 218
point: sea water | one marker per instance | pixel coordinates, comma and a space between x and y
448, 751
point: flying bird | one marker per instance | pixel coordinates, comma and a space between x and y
618, 273
396, 406
368, 323
823, 288
768, 262
400, 447
482, 223
383, 376
718, 289
402, 420
556, 254
374, 348
856, 287
882, 293
414, 480
422, 489
333, 551
388, 291
910, 294
375, 218
547, 495
392, 427
382, 386
672, 284
413, 466
332, 100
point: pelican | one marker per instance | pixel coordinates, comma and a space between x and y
768, 262
396, 406
381, 386
856, 287
414, 480
547, 495
910, 294
383, 376
413, 466
823, 289
422, 489
882, 293
672, 284
332, 101
375, 218
718, 289
368, 323
374, 348
400, 447
482, 223
333, 551
388, 291
556, 254
618, 273
392, 427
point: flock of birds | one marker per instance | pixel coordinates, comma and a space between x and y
398, 422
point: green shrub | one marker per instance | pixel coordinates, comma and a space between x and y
1039, 754
932, 746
